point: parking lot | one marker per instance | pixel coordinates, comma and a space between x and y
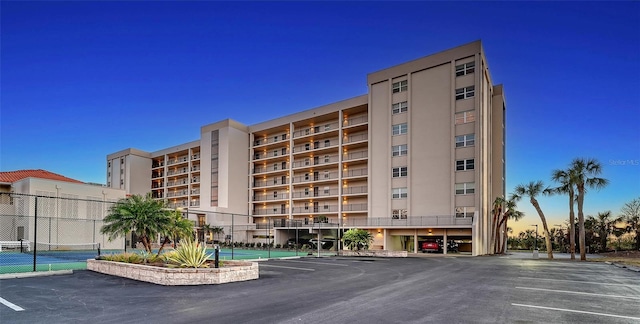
440, 289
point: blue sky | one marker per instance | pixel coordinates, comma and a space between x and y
80, 80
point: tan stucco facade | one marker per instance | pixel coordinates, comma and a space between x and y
418, 158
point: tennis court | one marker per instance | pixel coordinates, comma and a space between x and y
14, 261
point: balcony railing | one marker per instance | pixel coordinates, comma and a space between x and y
179, 159
177, 193
355, 190
271, 154
315, 209
355, 155
266, 183
355, 138
354, 207
355, 121
315, 129
268, 197
442, 220
318, 160
316, 177
157, 185
177, 182
194, 203
270, 139
156, 164
195, 168
307, 147
270, 211
183, 203
157, 175
195, 191
195, 156
355, 173
261, 169
195, 179
318, 193
175, 172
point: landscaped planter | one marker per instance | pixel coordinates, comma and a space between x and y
375, 253
231, 271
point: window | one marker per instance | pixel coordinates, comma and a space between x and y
306, 177
398, 193
465, 140
399, 107
327, 127
463, 165
275, 194
307, 161
465, 212
399, 129
465, 188
326, 174
326, 159
327, 143
399, 150
399, 172
306, 191
399, 214
275, 152
465, 117
465, 93
399, 86
284, 137
284, 151
307, 147
326, 190
465, 69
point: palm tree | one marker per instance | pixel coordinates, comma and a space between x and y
179, 227
566, 179
532, 190
217, 231
585, 172
504, 209
604, 225
145, 216
631, 215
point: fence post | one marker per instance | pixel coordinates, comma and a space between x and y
35, 235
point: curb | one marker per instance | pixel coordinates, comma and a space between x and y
624, 266
35, 274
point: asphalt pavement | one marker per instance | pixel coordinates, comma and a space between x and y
445, 289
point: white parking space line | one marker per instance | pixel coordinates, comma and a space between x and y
578, 293
294, 268
577, 311
11, 305
315, 262
582, 282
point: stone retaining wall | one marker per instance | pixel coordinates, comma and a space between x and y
375, 253
231, 272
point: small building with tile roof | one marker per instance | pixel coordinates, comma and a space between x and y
69, 211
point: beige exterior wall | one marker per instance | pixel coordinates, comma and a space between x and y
336, 162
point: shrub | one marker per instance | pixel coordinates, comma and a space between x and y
278, 246
123, 257
190, 254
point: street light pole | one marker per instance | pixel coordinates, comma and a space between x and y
536, 244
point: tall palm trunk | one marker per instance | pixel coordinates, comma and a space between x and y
581, 235
572, 225
547, 237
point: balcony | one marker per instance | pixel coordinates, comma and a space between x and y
195, 191
195, 156
178, 204
194, 203
262, 168
176, 172
316, 129
317, 160
271, 139
355, 155
354, 207
157, 164
157, 175
195, 180
358, 120
316, 177
267, 183
177, 193
315, 209
355, 173
316, 145
271, 154
355, 190
318, 193
355, 138
179, 159
270, 211
178, 182
157, 185
195, 168
270, 197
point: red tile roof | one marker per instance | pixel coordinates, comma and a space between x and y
13, 176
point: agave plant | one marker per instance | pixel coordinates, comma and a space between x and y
190, 254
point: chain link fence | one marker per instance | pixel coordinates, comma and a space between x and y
41, 233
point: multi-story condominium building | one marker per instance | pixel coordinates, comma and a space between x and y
419, 158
